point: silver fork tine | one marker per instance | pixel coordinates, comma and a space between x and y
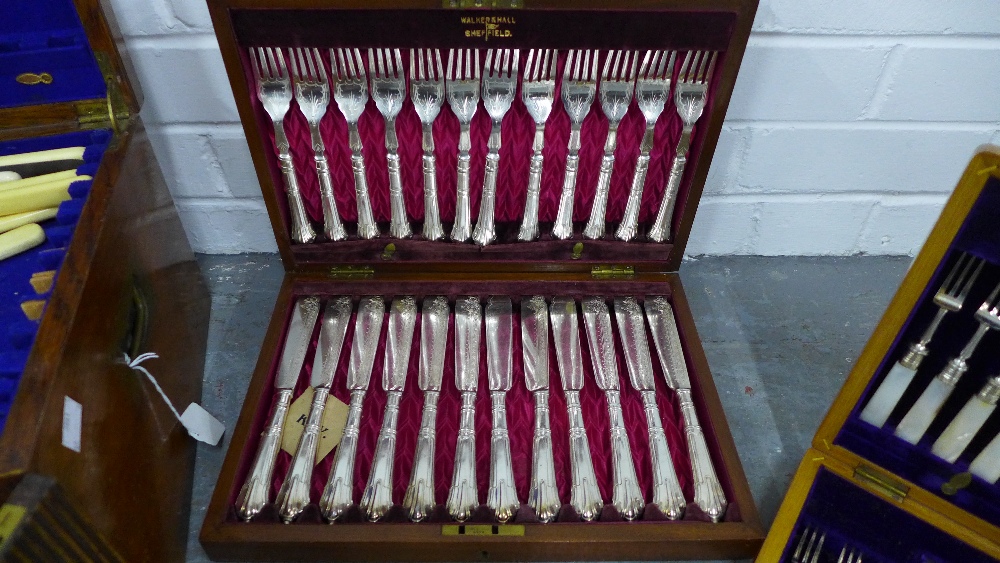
489, 62
292, 54
605, 74
255, 64
711, 66
267, 60
416, 60
530, 72
319, 66
972, 278
282, 71
684, 67
399, 64
644, 68
313, 75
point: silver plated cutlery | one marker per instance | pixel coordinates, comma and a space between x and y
256, 491
388, 84
651, 92
377, 497
617, 84
427, 93
667, 493
462, 80
501, 496
543, 496
338, 494
419, 499
627, 498
499, 89
294, 493
579, 85
585, 496
274, 89
463, 497
538, 88
689, 98
708, 493
312, 92
350, 91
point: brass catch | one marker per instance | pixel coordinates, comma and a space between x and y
482, 530
30, 78
889, 486
352, 272
606, 272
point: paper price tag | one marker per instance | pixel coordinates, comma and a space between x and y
331, 427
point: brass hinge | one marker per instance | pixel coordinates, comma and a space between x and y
111, 112
352, 272
889, 486
606, 272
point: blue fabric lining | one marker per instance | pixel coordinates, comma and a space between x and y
17, 333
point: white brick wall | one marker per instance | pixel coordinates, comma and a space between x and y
850, 123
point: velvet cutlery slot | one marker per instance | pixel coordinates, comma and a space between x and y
419, 340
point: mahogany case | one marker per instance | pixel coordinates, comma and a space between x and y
418, 267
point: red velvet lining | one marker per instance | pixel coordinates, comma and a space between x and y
517, 134
520, 417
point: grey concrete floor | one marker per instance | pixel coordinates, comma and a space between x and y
781, 335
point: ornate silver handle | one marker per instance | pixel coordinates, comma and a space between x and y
563, 229
708, 492
630, 221
338, 494
400, 225
419, 499
485, 232
255, 492
367, 228
294, 493
462, 497
543, 496
584, 494
595, 226
627, 496
661, 228
333, 227
462, 229
667, 493
302, 231
432, 216
529, 224
377, 498
501, 497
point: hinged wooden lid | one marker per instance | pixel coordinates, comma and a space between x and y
62, 69
686, 27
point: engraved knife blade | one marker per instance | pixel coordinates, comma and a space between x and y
336, 317
367, 329
600, 339
255, 493
708, 493
499, 343
468, 325
462, 496
293, 496
565, 332
300, 330
402, 320
433, 340
633, 332
535, 342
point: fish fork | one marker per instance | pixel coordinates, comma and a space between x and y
538, 88
350, 91
579, 86
463, 97
275, 92
689, 98
313, 95
617, 83
849, 555
427, 93
389, 92
651, 92
949, 299
808, 541
916, 421
499, 88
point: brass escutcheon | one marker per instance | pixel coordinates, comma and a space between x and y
30, 78
958, 482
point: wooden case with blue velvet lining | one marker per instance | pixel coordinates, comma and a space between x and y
124, 281
866, 487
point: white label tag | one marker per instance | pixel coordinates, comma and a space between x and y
201, 425
72, 424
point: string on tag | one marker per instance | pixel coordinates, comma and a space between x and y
198, 422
